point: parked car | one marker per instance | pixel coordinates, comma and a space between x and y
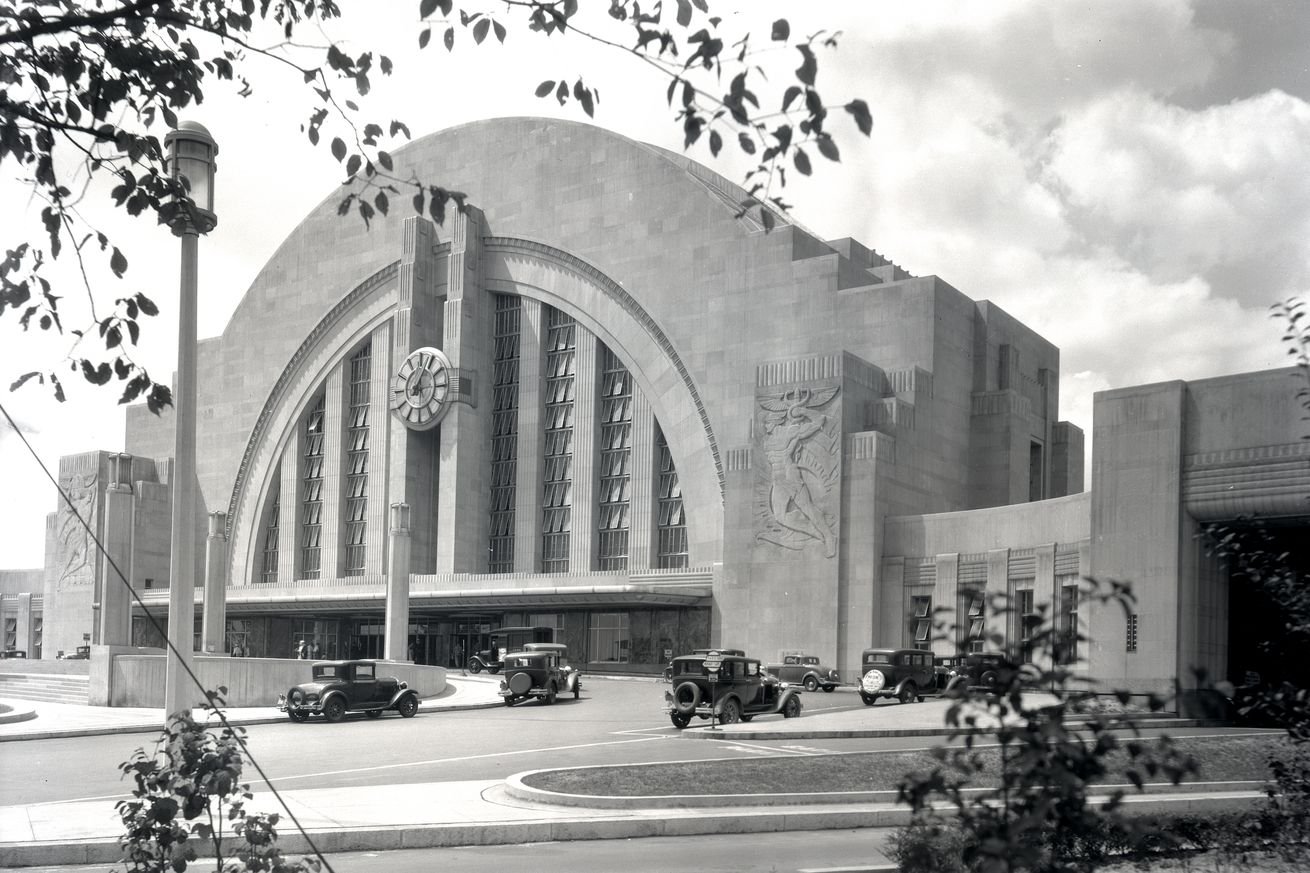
339, 687
541, 670
13, 653
668, 671
905, 674
83, 653
805, 670
945, 670
731, 688
985, 672
504, 641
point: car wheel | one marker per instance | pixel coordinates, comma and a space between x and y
550, 694
869, 699
811, 683
509, 701
792, 708
407, 706
298, 717
474, 665
374, 713
908, 693
493, 670
731, 712
577, 690
679, 721
745, 718
334, 710
828, 689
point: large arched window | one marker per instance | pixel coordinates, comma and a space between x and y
671, 535
615, 457
504, 432
311, 493
268, 573
357, 440
557, 493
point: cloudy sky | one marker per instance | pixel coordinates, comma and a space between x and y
1129, 178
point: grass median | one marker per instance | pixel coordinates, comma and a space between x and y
1221, 759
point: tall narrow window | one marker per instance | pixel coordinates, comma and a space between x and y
557, 460
38, 631
357, 435
269, 573
1036, 468
1131, 644
311, 500
1066, 651
974, 626
921, 621
615, 458
504, 432
1025, 610
671, 523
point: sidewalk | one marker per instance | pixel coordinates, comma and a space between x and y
496, 811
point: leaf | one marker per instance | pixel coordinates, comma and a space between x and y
381, 202
499, 30
21, 380
747, 144
449, 39
781, 30
545, 88
424, 37
338, 148
480, 30
384, 159
789, 95
684, 13
147, 305
863, 120
426, 8
809, 67
716, 143
352, 165
802, 162
828, 148
118, 263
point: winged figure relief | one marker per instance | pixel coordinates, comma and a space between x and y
799, 440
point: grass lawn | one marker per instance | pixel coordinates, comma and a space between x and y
1222, 759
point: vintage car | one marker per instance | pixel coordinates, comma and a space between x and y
541, 670
339, 687
13, 653
988, 672
730, 688
506, 640
805, 670
905, 674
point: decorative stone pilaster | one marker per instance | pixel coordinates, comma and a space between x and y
582, 540
396, 642
527, 474
115, 627
213, 635
463, 501
641, 517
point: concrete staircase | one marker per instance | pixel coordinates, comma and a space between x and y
45, 686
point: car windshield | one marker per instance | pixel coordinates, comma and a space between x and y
689, 668
327, 671
524, 662
877, 658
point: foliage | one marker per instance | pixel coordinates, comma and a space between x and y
188, 791
1043, 815
95, 81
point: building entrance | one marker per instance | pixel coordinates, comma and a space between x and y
1262, 651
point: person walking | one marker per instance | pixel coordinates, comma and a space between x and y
302, 651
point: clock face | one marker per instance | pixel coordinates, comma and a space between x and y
420, 388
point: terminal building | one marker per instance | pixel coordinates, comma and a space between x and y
602, 401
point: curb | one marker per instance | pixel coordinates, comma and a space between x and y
516, 787
9, 714
603, 827
707, 733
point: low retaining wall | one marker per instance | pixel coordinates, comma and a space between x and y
133, 678
46, 666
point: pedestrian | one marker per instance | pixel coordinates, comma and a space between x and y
237, 651
302, 651
314, 650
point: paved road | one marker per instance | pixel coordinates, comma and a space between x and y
615, 722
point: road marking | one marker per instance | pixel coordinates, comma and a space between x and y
455, 759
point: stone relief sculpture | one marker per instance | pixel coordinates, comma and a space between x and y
797, 484
76, 553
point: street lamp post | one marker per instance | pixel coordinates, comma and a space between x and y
191, 152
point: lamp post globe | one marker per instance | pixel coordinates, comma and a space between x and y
191, 153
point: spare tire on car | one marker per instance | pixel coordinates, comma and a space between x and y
686, 697
520, 683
